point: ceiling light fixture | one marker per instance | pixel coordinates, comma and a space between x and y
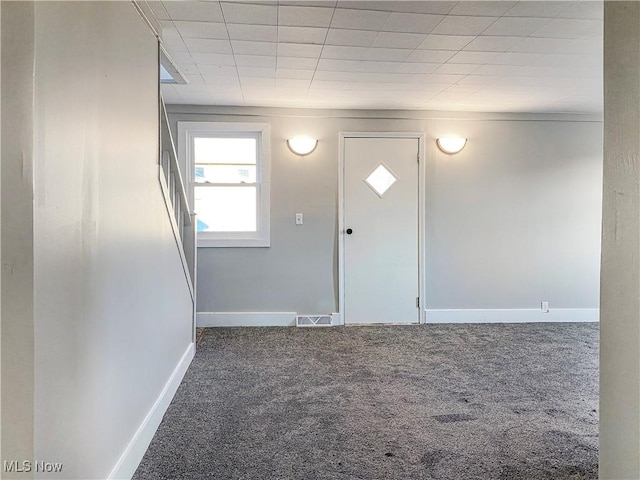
302, 145
451, 145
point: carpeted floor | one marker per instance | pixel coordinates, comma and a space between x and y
483, 401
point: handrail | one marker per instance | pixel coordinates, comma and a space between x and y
183, 220
174, 168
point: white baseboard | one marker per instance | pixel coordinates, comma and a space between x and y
132, 455
288, 319
246, 319
523, 315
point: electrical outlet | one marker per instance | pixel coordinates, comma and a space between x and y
544, 306
299, 219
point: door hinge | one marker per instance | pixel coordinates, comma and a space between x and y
417, 302
418, 157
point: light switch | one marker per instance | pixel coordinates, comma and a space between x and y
299, 219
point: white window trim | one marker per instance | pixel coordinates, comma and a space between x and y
262, 237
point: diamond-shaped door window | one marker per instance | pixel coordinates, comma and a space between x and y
380, 180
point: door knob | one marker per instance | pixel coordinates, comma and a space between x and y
349, 231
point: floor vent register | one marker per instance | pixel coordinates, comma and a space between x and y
314, 320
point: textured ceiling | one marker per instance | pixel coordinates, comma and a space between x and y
492, 56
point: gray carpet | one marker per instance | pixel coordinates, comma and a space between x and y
491, 401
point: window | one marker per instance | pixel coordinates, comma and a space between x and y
228, 167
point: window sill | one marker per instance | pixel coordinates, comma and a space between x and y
233, 242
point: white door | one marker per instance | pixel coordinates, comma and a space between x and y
380, 235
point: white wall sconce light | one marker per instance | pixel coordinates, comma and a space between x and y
451, 145
302, 145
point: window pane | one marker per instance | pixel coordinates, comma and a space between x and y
226, 209
380, 180
225, 174
224, 150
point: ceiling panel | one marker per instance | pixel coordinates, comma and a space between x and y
458, 55
350, 38
457, 68
223, 82
299, 50
430, 56
294, 73
207, 45
565, 28
343, 53
216, 59
492, 44
540, 9
305, 16
263, 72
398, 40
255, 33
589, 10
306, 35
293, 83
256, 61
249, 13
463, 25
387, 54
417, 67
412, 22
512, 58
201, 29
253, 48
359, 19
485, 8
297, 63
415, 6
516, 26
446, 42
194, 11
218, 70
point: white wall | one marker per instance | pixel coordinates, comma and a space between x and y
106, 320
620, 297
512, 220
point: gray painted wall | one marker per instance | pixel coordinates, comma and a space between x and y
0, 231
620, 297
17, 374
104, 314
512, 220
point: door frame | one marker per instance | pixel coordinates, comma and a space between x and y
421, 212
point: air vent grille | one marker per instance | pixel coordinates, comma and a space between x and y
314, 320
